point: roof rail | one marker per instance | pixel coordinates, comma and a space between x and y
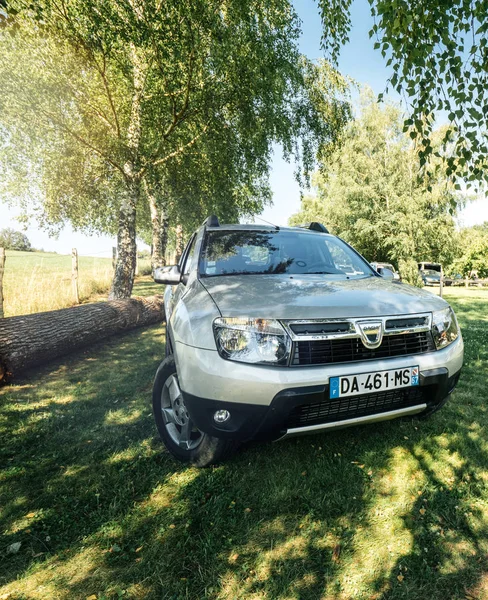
314, 226
211, 221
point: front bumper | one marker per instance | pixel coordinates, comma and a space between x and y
297, 411
269, 402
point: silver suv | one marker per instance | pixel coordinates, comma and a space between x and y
275, 331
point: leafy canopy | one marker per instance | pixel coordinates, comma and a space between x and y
369, 193
473, 251
14, 240
100, 92
438, 53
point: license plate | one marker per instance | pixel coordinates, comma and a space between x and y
368, 383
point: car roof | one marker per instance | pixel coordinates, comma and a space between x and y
271, 228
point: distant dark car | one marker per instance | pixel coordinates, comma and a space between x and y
430, 277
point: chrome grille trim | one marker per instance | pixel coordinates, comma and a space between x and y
375, 418
353, 330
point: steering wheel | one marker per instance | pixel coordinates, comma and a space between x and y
299, 262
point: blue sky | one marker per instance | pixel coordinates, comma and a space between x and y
358, 60
366, 66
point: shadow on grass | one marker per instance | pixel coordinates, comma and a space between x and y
145, 286
396, 510
64, 429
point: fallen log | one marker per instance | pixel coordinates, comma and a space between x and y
30, 340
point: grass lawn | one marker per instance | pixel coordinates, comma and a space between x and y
390, 511
39, 281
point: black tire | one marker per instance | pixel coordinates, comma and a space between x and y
195, 447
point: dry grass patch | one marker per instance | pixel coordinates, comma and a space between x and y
40, 281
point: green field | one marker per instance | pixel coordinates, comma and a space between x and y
397, 510
39, 281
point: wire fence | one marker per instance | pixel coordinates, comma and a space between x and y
38, 281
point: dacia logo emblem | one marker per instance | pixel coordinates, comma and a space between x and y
371, 333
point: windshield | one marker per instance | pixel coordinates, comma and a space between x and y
272, 252
431, 272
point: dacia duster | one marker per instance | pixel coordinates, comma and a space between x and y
279, 331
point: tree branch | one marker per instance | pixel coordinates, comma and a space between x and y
178, 150
178, 115
81, 139
86, 102
91, 56
109, 95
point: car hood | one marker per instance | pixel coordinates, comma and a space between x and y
316, 297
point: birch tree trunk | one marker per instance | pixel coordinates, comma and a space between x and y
164, 233
125, 267
179, 243
159, 226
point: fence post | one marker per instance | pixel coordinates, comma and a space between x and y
114, 257
74, 275
441, 282
2, 269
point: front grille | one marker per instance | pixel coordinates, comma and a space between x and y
324, 352
323, 328
340, 409
406, 322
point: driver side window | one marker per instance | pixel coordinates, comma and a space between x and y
188, 256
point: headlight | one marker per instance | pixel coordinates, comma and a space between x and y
444, 327
252, 340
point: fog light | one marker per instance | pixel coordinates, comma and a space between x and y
221, 416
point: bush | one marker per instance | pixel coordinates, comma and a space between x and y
410, 272
145, 267
143, 254
14, 240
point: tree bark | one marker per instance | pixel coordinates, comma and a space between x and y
179, 243
125, 265
159, 229
164, 233
31, 340
2, 270
126, 236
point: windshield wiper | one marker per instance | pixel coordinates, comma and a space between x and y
323, 273
235, 273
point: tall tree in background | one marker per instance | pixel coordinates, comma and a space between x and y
14, 240
208, 180
121, 88
370, 194
438, 53
472, 251
221, 174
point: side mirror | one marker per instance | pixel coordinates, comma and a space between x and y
167, 275
386, 273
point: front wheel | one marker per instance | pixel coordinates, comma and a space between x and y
176, 429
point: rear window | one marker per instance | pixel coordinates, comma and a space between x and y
274, 252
